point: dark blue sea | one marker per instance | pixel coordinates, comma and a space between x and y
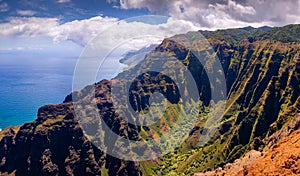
28, 83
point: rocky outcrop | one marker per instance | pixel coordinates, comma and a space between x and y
279, 157
54, 144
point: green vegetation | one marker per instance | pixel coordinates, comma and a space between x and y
263, 78
286, 34
261, 99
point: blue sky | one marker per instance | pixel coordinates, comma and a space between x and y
67, 10
60, 28
56, 26
63, 11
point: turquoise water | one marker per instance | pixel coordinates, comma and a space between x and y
27, 84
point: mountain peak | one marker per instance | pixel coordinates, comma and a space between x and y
248, 28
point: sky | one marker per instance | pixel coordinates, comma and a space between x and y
57, 26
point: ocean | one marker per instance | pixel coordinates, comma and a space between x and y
29, 83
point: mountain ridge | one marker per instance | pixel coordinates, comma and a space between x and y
262, 72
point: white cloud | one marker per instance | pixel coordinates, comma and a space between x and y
135, 31
4, 7
214, 14
78, 31
28, 27
82, 31
26, 12
234, 7
63, 1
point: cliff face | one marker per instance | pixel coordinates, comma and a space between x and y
262, 71
265, 94
263, 97
54, 144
